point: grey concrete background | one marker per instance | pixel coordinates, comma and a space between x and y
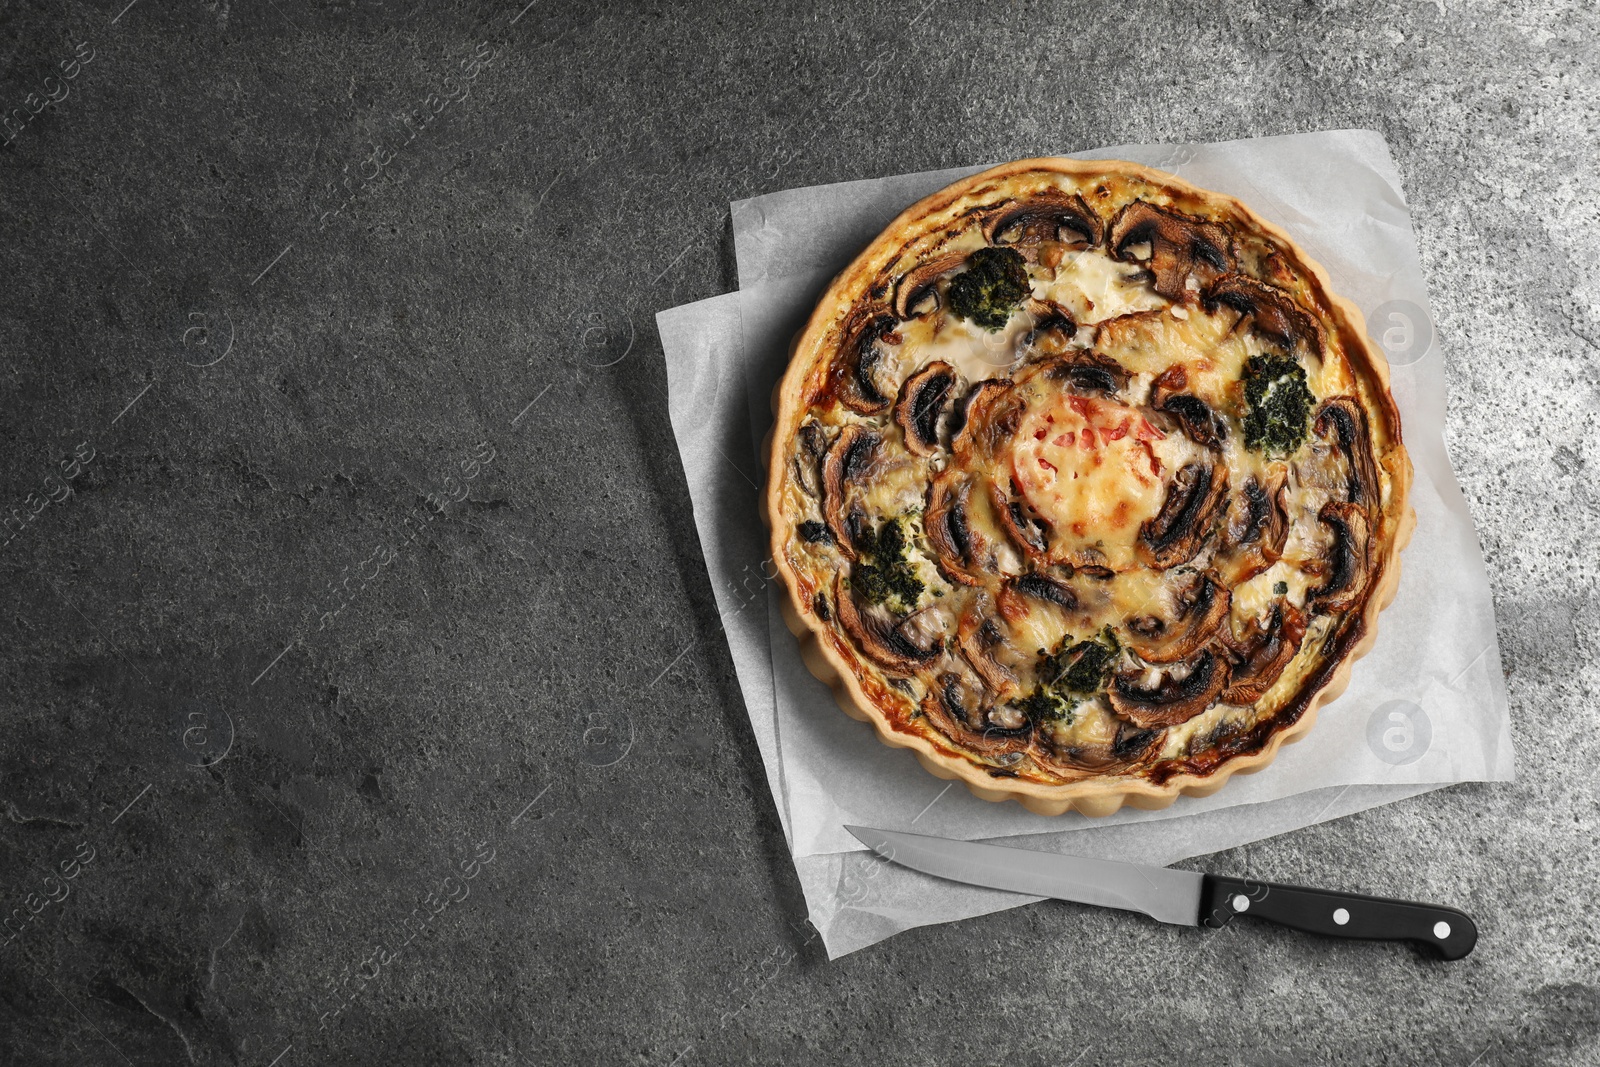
364, 608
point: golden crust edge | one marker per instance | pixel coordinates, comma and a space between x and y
1094, 797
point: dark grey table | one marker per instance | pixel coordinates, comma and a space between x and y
363, 696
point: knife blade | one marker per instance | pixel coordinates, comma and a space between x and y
1183, 898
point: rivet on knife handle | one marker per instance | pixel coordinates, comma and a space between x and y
1449, 932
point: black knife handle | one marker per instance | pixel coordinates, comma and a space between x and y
1448, 932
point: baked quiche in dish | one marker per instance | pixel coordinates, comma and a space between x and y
1085, 486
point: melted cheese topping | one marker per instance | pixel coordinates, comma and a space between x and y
1093, 469
976, 354
1095, 287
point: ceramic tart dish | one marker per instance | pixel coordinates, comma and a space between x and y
1085, 487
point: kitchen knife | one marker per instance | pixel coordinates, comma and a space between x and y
1184, 898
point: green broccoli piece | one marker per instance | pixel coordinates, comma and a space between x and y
1280, 587
1046, 705
1280, 405
991, 287
883, 574
1083, 667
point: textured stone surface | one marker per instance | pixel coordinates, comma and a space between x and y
261, 698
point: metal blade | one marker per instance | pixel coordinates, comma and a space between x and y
1159, 892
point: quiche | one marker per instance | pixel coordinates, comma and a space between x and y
1085, 486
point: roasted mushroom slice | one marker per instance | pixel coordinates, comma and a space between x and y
1087, 372
852, 453
1178, 244
963, 712
917, 293
921, 402
1028, 532
1350, 559
813, 443
1108, 742
1202, 425
925, 629
988, 416
1194, 502
1261, 657
1345, 417
960, 549
1133, 743
1089, 562
1262, 520
1054, 328
981, 641
1180, 693
1273, 313
1200, 607
879, 635
860, 384
1257, 527
814, 533
1017, 594
1050, 215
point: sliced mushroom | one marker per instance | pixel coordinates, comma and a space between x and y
1273, 312
1257, 527
917, 293
1176, 698
1178, 244
1260, 659
963, 712
1087, 372
960, 549
1201, 609
1200, 424
856, 367
1263, 518
1053, 328
811, 443
1194, 502
1132, 743
989, 416
925, 629
852, 453
921, 402
1017, 594
1028, 532
879, 634
1344, 416
814, 533
979, 638
1108, 743
1350, 558
1051, 215
1089, 562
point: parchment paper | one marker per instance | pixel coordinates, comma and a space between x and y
1425, 708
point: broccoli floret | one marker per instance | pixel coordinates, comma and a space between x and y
883, 574
1073, 670
991, 287
1280, 587
1046, 705
1084, 667
1280, 405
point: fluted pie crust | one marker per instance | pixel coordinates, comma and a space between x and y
1178, 608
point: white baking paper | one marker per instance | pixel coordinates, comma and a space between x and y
1425, 708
